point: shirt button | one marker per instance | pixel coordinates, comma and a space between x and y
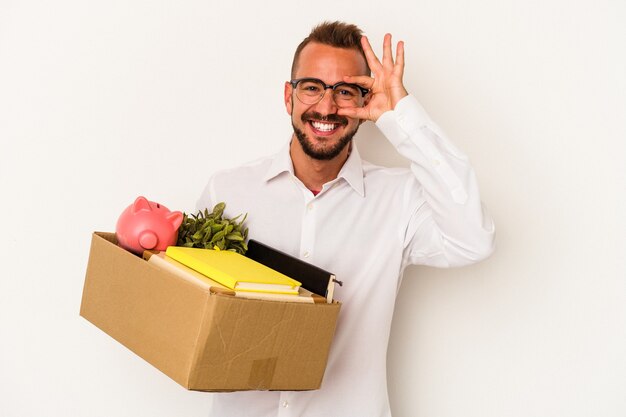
285, 404
310, 206
436, 162
306, 254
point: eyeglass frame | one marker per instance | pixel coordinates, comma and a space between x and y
294, 84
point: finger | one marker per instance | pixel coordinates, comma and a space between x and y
370, 56
399, 68
387, 54
354, 112
364, 81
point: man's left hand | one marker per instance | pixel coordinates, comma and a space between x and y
385, 84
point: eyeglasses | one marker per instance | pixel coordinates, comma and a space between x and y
312, 90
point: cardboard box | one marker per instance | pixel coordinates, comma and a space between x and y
202, 340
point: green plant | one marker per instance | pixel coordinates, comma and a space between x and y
208, 230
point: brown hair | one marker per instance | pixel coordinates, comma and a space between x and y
336, 34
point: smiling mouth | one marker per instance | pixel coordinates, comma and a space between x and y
324, 126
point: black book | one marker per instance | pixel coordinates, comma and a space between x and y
313, 278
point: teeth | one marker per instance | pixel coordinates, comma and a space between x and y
324, 127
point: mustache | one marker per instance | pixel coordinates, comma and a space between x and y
331, 118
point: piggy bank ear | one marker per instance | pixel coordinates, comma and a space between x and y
175, 218
141, 203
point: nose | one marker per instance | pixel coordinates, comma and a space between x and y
327, 104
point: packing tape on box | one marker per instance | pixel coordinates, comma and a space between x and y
262, 373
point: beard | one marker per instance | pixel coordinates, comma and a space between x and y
323, 153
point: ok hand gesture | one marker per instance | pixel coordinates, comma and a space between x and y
385, 84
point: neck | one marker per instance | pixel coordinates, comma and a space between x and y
314, 173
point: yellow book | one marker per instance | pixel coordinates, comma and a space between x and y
162, 261
234, 270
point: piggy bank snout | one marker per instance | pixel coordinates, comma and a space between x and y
148, 239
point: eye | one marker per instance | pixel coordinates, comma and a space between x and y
347, 91
344, 92
310, 87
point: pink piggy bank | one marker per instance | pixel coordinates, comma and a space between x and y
147, 225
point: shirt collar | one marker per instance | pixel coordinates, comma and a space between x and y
351, 172
281, 162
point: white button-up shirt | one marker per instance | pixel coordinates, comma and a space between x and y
365, 226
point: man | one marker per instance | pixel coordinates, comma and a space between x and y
316, 199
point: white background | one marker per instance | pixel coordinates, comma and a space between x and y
103, 101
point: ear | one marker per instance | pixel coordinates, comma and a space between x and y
288, 97
141, 203
175, 218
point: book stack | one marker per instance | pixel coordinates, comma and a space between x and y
264, 273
